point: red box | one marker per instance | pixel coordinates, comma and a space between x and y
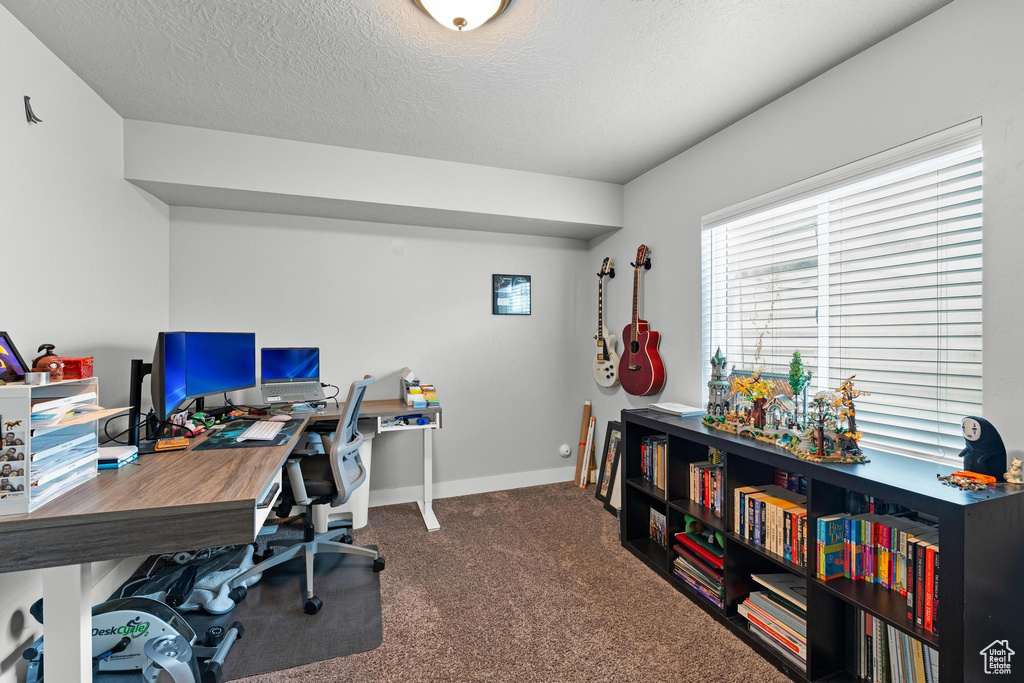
78, 368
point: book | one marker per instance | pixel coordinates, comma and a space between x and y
769, 603
786, 654
673, 408
740, 507
689, 544
831, 546
787, 586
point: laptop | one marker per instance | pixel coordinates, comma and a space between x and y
290, 375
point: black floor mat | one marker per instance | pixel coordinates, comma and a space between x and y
280, 635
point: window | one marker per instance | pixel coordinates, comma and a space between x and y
872, 270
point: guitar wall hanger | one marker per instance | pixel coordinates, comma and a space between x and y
646, 264
610, 273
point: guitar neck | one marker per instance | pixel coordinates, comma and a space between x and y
600, 307
636, 288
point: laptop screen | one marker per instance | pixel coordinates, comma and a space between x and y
289, 365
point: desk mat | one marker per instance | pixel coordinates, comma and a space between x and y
279, 634
227, 436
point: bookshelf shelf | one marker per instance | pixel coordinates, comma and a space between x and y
647, 487
777, 559
980, 567
885, 604
655, 554
698, 511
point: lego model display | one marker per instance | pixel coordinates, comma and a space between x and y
767, 407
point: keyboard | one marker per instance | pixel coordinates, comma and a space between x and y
264, 430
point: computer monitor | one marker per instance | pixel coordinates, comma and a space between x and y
188, 365
289, 365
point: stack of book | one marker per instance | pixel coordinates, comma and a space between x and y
896, 553
653, 456
887, 655
658, 528
699, 564
778, 616
774, 518
707, 485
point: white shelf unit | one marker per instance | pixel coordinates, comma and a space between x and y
44, 455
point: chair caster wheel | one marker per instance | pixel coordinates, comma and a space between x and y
378, 564
313, 605
238, 593
347, 538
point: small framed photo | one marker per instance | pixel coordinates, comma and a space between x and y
12, 365
608, 466
510, 294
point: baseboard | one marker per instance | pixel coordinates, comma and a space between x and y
465, 487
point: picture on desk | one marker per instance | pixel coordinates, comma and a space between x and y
13, 438
12, 454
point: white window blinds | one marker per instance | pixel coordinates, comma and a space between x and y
871, 270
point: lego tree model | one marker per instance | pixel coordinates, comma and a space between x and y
758, 391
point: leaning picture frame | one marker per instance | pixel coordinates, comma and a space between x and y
12, 365
609, 465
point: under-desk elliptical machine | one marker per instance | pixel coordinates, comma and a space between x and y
146, 636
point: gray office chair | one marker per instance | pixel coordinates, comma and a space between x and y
327, 478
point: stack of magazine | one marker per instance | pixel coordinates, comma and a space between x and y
62, 456
778, 616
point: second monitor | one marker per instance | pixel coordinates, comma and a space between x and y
290, 375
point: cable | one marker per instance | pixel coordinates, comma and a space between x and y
337, 390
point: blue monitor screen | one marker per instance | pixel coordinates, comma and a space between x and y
216, 362
174, 370
289, 365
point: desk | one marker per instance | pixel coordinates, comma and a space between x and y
167, 502
381, 410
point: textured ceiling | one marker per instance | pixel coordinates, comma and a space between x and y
600, 89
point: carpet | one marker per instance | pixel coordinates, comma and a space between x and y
527, 585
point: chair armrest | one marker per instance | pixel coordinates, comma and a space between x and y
303, 453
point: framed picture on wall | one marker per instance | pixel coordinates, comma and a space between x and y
510, 294
608, 466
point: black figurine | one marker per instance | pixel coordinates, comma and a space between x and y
984, 451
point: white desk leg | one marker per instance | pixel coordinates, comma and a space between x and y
426, 509
67, 623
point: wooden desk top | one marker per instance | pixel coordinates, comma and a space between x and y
171, 501
157, 482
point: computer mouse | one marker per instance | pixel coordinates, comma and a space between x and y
280, 418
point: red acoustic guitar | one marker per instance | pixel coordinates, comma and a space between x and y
641, 370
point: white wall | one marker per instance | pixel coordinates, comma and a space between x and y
961, 62
378, 297
84, 251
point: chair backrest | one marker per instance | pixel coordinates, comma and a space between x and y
349, 472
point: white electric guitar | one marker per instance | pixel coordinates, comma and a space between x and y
606, 363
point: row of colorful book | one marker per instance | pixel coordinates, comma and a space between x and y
774, 518
699, 564
887, 655
658, 527
778, 615
653, 457
896, 553
707, 485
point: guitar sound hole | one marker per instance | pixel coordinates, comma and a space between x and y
634, 346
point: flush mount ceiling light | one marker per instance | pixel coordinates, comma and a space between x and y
463, 15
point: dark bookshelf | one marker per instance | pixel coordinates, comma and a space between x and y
647, 487
982, 565
698, 511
